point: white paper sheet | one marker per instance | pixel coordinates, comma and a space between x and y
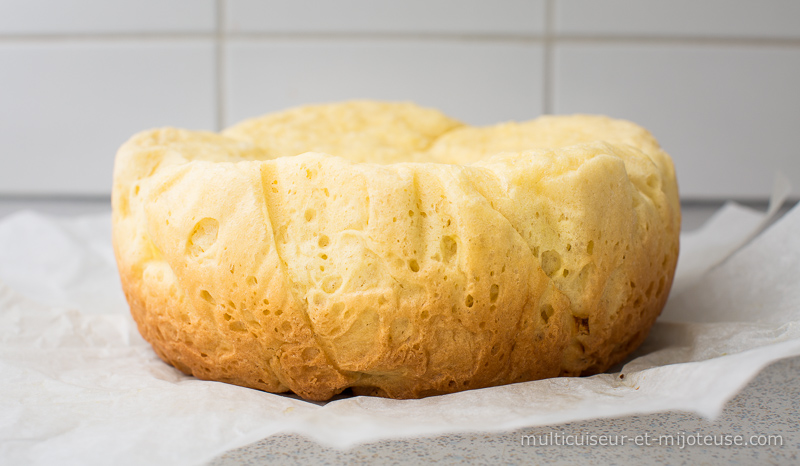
78, 385
723, 234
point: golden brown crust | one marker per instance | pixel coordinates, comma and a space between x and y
314, 274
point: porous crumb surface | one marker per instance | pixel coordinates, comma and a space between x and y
391, 249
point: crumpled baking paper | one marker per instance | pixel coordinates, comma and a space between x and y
78, 385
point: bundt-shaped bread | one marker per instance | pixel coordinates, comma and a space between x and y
388, 248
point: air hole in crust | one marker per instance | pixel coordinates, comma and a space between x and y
469, 300
582, 325
203, 236
551, 262
547, 312
413, 265
449, 248
310, 353
331, 283
494, 291
207, 297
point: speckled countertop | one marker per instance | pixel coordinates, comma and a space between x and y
769, 405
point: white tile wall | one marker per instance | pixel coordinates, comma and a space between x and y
103, 16
727, 115
698, 18
715, 80
499, 17
67, 107
480, 83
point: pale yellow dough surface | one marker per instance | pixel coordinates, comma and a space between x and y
391, 249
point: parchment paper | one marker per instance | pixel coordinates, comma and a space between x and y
78, 385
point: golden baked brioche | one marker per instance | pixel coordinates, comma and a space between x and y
361, 131
502, 254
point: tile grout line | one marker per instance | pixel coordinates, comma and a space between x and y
385, 36
5, 197
55, 198
219, 65
601, 39
111, 37
547, 66
549, 35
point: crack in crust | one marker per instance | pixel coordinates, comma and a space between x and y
321, 368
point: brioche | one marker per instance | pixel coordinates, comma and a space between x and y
389, 249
